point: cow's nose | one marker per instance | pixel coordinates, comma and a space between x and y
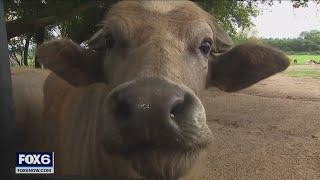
151, 109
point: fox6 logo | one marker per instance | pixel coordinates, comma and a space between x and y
34, 162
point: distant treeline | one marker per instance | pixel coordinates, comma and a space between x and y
306, 43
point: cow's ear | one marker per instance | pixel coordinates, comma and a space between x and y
75, 64
223, 41
245, 65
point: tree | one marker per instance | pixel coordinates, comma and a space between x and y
307, 42
232, 14
313, 35
26, 50
38, 19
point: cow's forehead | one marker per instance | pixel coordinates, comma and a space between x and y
142, 17
161, 6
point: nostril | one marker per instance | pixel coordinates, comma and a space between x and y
121, 108
180, 106
177, 108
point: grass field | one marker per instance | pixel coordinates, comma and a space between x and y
304, 57
312, 71
303, 73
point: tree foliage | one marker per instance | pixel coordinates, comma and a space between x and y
307, 42
75, 19
232, 14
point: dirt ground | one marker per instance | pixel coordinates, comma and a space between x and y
268, 131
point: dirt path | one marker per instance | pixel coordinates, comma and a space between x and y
268, 131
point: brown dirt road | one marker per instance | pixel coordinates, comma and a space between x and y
268, 131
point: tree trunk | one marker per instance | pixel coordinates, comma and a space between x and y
25, 50
14, 57
39, 37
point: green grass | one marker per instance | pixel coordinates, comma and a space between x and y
303, 73
303, 58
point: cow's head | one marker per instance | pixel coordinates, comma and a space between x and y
158, 56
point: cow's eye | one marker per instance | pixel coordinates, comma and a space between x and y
205, 46
110, 42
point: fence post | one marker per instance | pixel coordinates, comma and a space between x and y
7, 151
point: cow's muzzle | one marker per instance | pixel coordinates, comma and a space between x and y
154, 113
155, 120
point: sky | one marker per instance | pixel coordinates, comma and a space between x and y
283, 21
